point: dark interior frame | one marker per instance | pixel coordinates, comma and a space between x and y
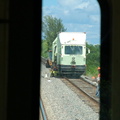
20, 79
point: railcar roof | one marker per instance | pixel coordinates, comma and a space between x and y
72, 37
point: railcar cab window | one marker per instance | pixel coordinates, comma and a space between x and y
76, 50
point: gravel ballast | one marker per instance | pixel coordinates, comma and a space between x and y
60, 102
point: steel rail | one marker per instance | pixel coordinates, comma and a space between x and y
97, 102
42, 110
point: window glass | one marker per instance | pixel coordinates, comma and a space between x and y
73, 50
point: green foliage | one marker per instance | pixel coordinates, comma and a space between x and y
44, 49
93, 59
51, 26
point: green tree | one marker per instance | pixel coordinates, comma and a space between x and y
93, 59
44, 49
51, 26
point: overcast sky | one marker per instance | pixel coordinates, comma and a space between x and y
76, 16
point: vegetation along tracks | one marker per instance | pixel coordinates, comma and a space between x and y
85, 91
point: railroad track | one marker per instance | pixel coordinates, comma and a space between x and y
85, 91
43, 115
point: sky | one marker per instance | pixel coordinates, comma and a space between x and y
76, 16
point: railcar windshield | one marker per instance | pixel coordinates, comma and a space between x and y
73, 50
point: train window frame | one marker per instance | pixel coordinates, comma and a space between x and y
12, 112
105, 61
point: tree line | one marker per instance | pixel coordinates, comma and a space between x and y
51, 26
